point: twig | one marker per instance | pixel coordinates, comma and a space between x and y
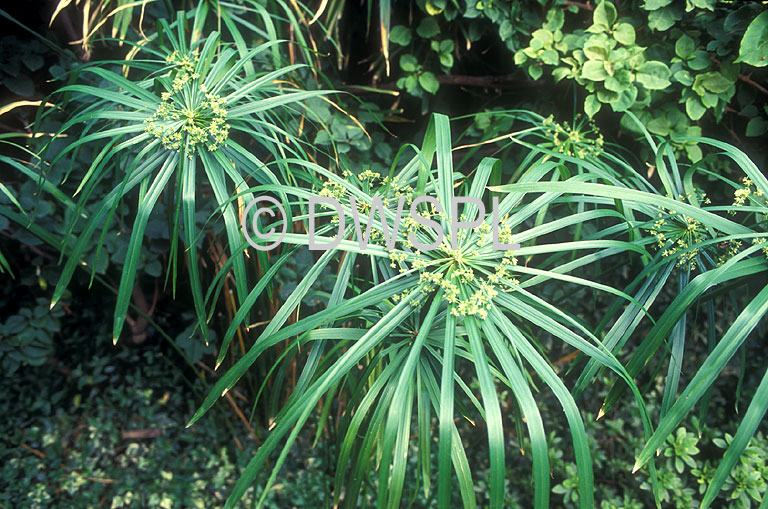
140, 434
58, 366
503, 81
748, 79
587, 6
32, 248
242, 417
734, 135
34, 451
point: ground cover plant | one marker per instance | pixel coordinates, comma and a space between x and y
541, 280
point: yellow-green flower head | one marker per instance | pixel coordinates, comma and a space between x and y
573, 141
470, 276
188, 115
676, 233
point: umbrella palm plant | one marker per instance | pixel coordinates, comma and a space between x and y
193, 107
427, 322
411, 336
690, 234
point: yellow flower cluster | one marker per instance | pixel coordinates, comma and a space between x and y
732, 249
740, 196
188, 115
454, 272
677, 232
734, 246
332, 189
762, 242
467, 286
573, 142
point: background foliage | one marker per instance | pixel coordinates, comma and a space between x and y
622, 139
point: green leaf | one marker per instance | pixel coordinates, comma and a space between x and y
555, 19
693, 152
446, 413
428, 82
626, 99
20, 85
700, 60
694, 108
604, 15
409, 83
684, 77
408, 63
701, 4
705, 376
596, 52
154, 268
754, 45
494, 423
400, 35
607, 96
663, 19
591, 105
134, 246
757, 126
33, 61
301, 408
652, 5
709, 100
547, 374
716, 83
630, 195
506, 30
594, 70
560, 73
428, 28
625, 34
520, 388
730, 270
684, 47
435, 7
400, 408
654, 75
739, 442
677, 350
549, 57
617, 83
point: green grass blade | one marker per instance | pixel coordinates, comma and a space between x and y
493, 419
134, 246
747, 428
707, 373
